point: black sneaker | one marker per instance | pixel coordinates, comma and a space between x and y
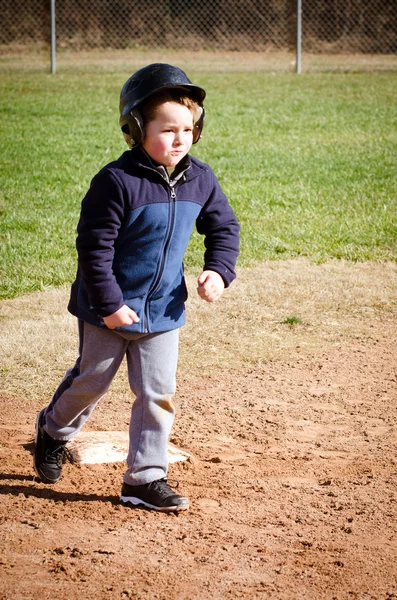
156, 495
49, 454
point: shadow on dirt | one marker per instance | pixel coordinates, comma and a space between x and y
49, 494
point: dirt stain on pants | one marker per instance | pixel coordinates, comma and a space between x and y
167, 404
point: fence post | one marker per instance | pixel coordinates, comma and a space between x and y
53, 39
298, 35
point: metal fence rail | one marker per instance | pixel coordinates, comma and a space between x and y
328, 27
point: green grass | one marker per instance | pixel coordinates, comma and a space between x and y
292, 321
309, 163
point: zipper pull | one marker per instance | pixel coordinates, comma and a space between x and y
173, 195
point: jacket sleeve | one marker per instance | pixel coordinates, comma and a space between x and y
101, 217
219, 225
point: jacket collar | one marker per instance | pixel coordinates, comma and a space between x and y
143, 158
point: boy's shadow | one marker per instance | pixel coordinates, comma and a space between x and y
47, 493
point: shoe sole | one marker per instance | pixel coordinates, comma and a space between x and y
42, 478
137, 502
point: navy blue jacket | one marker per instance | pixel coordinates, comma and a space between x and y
133, 231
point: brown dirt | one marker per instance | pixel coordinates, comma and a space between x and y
293, 487
274, 61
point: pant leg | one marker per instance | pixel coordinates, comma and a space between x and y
152, 362
101, 353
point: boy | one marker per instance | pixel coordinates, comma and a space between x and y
129, 292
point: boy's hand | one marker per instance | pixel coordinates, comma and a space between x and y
210, 286
123, 316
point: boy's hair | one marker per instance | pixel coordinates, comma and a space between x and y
149, 106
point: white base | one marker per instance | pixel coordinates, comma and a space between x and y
96, 447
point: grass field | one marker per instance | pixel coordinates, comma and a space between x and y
308, 162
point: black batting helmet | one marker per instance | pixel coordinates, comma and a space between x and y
146, 82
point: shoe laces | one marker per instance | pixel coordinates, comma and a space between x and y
58, 454
161, 486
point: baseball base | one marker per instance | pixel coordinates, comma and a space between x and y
97, 447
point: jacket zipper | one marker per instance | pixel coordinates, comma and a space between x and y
161, 268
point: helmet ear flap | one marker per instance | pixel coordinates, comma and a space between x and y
199, 117
133, 128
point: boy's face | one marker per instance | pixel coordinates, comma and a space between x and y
169, 137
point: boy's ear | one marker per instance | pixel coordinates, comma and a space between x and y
197, 113
198, 118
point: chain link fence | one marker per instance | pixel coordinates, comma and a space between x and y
329, 27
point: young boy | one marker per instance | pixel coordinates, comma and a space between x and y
129, 292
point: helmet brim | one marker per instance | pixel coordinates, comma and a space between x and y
193, 91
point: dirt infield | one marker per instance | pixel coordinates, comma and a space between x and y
293, 487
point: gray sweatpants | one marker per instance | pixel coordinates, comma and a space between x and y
152, 362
